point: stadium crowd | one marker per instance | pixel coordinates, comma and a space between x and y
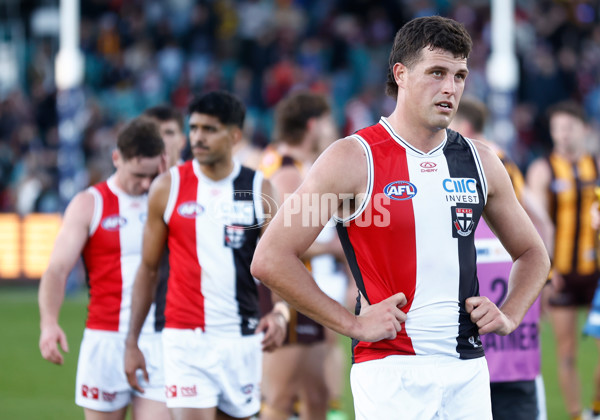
142, 53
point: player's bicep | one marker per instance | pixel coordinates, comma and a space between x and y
538, 180
155, 228
73, 234
334, 176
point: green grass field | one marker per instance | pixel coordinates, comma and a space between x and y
31, 388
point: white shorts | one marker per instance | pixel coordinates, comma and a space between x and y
101, 383
203, 370
421, 388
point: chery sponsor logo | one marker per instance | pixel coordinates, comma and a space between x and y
428, 167
400, 190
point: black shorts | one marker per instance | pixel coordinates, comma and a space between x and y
514, 400
577, 291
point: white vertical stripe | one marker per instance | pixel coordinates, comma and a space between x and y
173, 193
216, 260
134, 210
436, 294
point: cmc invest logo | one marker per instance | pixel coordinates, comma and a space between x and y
400, 190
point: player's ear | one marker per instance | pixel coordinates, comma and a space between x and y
116, 158
236, 134
399, 70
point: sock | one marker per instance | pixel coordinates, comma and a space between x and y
596, 407
335, 404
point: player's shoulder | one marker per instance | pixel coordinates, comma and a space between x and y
347, 150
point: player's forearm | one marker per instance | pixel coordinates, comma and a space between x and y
50, 298
527, 278
288, 278
144, 289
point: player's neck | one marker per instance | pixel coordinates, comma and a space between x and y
572, 155
217, 170
422, 138
301, 153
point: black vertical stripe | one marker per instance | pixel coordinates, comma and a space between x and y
462, 164
553, 197
246, 292
353, 264
578, 210
160, 297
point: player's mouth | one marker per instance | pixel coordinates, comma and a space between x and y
445, 106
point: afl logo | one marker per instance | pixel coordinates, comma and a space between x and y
113, 222
190, 209
400, 190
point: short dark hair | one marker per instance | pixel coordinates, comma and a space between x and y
220, 104
435, 32
569, 107
294, 111
165, 113
474, 111
140, 138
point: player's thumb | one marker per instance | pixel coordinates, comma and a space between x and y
63, 343
399, 299
472, 303
262, 326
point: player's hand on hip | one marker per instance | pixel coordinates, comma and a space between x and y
382, 320
134, 360
49, 338
274, 327
488, 317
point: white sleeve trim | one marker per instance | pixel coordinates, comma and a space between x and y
173, 193
258, 198
97, 215
369, 190
480, 170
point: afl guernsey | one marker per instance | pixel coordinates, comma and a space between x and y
414, 233
213, 232
111, 257
571, 197
272, 161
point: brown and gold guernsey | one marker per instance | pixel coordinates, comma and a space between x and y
301, 329
516, 177
571, 197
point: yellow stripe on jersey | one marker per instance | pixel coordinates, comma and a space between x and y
571, 195
516, 177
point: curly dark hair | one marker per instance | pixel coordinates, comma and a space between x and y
435, 32
140, 138
228, 108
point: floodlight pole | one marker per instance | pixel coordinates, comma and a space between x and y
70, 104
502, 72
